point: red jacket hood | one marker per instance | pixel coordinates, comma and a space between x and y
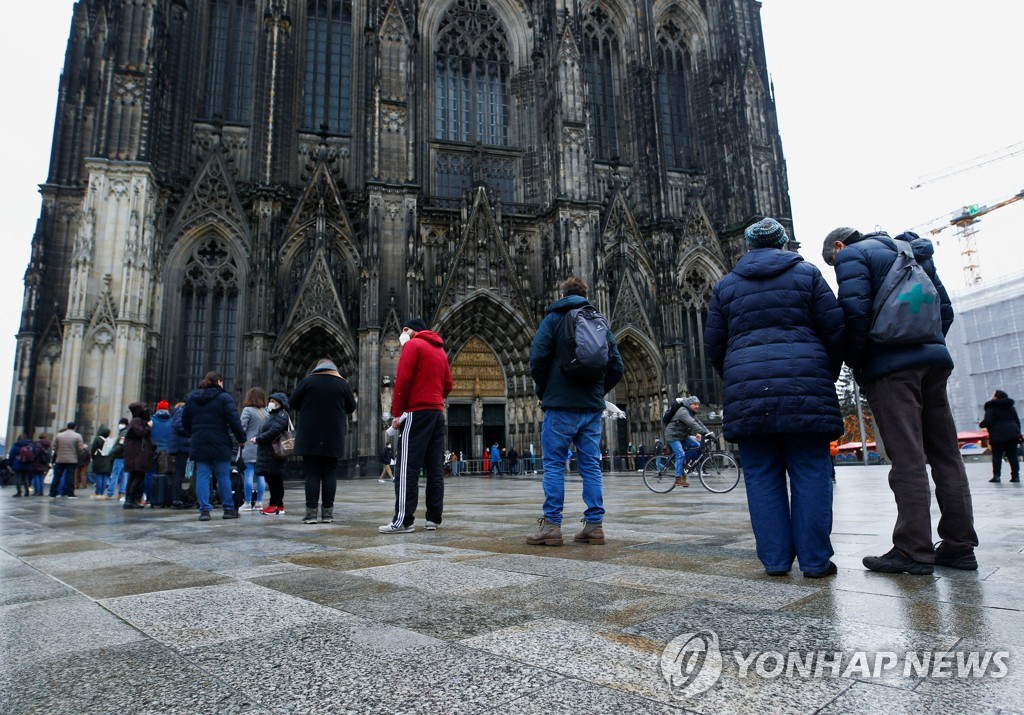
430, 336
424, 377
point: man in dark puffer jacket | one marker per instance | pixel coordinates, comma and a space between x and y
906, 387
1003, 425
775, 334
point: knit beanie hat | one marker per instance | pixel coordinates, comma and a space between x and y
415, 324
766, 233
163, 405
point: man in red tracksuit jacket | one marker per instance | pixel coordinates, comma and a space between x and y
424, 379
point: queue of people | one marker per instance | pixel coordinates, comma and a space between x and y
776, 334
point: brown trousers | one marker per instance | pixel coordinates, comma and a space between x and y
912, 413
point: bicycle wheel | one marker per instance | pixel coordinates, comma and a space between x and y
660, 479
719, 472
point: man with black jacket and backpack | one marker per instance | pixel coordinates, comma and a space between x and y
573, 403
905, 383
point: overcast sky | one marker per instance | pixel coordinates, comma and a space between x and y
871, 95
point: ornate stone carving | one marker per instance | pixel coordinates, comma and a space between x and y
128, 88
393, 119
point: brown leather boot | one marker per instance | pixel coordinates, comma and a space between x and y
593, 533
547, 535
681, 482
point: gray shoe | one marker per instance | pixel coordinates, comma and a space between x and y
310, 517
548, 534
327, 516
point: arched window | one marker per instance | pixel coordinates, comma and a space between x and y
209, 316
472, 70
602, 60
701, 378
231, 43
328, 91
672, 99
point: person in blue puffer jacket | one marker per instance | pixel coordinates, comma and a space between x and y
906, 388
775, 333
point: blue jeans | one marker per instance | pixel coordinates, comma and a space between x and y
118, 478
37, 483
101, 482
685, 452
261, 483
561, 430
793, 522
222, 472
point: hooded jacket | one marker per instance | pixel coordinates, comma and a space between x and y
861, 268
15, 460
424, 377
101, 463
138, 442
775, 334
161, 430
323, 400
211, 420
1001, 421
180, 442
547, 353
269, 430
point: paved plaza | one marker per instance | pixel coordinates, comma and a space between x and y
108, 611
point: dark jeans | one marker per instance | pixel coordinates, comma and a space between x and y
1009, 451
794, 519
319, 473
422, 447
63, 473
913, 416
275, 482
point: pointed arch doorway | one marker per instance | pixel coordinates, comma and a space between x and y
640, 393
476, 405
297, 355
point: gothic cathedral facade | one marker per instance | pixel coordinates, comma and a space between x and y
248, 185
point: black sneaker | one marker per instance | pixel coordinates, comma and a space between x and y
830, 570
962, 558
897, 562
230, 514
995, 479
204, 516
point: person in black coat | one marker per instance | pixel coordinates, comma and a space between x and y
139, 454
267, 463
1003, 425
211, 419
323, 400
775, 333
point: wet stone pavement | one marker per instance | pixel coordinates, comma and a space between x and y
108, 611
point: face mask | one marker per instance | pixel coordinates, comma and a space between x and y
272, 407
404, 338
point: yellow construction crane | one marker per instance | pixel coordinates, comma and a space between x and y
964, 220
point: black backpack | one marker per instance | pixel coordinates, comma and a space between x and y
585, 334
673, 407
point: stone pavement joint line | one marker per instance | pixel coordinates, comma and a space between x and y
152, 611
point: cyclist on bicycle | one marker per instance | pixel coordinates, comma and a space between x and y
678, 434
